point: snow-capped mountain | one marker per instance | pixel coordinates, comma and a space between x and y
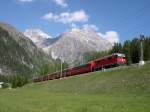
36, 35
40, 38
72, 44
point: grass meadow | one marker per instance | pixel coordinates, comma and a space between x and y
118, 90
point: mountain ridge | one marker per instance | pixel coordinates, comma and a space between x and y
18, 53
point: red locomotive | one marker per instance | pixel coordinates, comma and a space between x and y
110, 61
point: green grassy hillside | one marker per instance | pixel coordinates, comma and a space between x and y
121, 90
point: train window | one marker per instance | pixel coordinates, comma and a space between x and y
124, 57
84, 65
77, 68
109, 58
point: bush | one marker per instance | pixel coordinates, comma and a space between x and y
6, 85
14, 80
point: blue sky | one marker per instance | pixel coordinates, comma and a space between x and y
126, 18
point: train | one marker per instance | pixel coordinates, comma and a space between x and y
110, 61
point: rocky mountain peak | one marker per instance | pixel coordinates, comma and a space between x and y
75, 42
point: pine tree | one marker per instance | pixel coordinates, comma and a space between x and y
135, 50
116, 48
126, 50
147, 49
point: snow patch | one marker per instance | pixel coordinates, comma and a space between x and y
36, 35
53, 55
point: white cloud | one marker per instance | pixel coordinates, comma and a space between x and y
67, 18
25, 0
61, 3
90, 26
111, 36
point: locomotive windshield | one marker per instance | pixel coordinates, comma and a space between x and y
120, 55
